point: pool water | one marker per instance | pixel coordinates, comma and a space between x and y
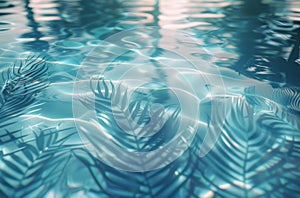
140, 98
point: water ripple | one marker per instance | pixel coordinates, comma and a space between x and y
254, 44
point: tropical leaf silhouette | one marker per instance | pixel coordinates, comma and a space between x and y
255, 155
20, 85
35, 167
112, 103
257, 150
286, 96
30, 162
104, 181
132, 122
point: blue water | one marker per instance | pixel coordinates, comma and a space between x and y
149, 98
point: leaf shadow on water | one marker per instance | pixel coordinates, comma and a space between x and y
29, 161
257, 150
256, 153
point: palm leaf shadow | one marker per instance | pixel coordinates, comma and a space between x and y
255, 155
113, 182
20, 85
27, 162
36, 166
132, 123
104, 180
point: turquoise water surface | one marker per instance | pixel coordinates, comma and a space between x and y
115, 98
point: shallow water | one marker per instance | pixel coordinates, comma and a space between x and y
213, 86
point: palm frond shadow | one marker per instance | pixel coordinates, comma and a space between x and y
256, 154
20, 85
132, 122
286, 96
112, 103
103, 180
257, 151
30, 162
37, 164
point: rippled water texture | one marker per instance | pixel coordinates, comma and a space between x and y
225, 75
